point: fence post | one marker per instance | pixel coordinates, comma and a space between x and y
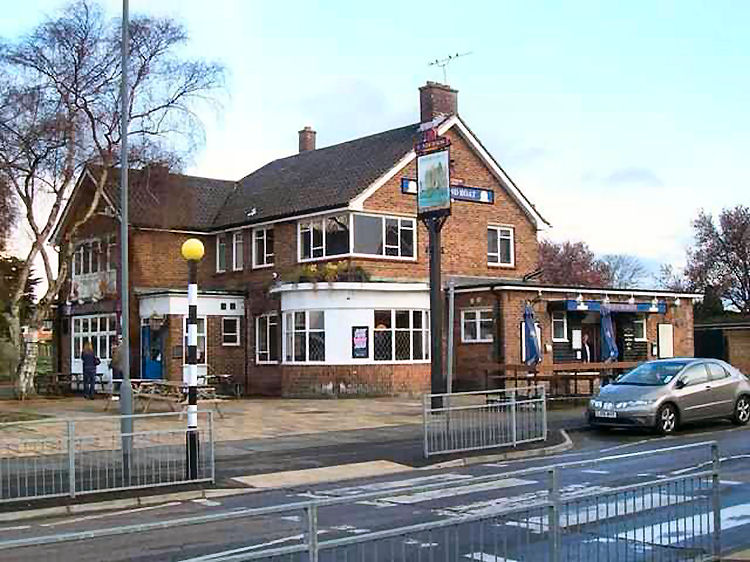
425, 402
211, 452
716, 500
72, 458
514, 434
312, 532
554, 515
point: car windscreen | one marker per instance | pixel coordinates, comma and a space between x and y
652, 374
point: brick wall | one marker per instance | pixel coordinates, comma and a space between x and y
738, 352
356, 380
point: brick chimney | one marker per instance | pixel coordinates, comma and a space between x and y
306, 139
436, 100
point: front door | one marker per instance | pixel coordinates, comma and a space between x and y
151, 353
594, 340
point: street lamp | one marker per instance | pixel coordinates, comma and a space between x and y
192, 251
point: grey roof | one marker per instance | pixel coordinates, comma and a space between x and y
161, 199
315, 180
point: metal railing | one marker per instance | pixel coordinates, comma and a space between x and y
67, 457
469, 421
675, 518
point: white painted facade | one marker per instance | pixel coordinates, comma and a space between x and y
348, 305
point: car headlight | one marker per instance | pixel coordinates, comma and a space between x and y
634, 404
596, 403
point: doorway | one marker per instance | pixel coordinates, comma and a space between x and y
152, 352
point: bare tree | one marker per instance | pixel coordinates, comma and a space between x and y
625, 271
671, 280
60, 114
571, 263
720, 257
7, 213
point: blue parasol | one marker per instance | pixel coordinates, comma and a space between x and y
533, 355
609, 347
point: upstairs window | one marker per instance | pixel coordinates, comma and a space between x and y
320, 238
263, 247
500, 246
238, 251
384, 236
221, 253
94, 256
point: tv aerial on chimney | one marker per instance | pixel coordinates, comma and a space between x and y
443, 63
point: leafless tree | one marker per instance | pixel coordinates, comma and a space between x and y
625, 271
60, 114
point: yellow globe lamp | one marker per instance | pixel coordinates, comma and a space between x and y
192, 249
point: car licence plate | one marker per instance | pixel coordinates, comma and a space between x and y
605, 414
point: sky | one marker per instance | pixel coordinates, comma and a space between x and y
618, 120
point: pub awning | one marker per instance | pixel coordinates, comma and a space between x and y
596, 306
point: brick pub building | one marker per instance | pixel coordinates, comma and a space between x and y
315, 274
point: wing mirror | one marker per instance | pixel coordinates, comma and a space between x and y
680, 384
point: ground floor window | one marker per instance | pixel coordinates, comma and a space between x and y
230, 330
202, 333
99, 330
476, 325
267, 338
639, 329
401, 335
304, 336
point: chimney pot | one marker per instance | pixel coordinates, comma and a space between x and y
437, 100
307, 139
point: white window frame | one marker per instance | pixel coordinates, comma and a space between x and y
268, 316
478, 321
307, 331
641, 320
266, 255
425, 331
199, 335
237, 322
219, 237
238, 235
106, 244
77, 336
557, 316
383, 219
321, 221
497, 228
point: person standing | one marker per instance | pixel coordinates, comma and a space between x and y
586, 349
90, 361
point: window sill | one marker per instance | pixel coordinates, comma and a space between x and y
238, 344
263, 266
503, 265
358, 256
560, 341
266, 362
463, 341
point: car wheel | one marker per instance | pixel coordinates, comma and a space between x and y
742, 411
666, 419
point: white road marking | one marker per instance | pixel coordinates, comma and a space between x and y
602, 511
420, 544
207, 502
731, 483
220, 555
484, 557
708, 463
292, 518
594, 471
18, 528
350, 529
389, 485
634, 444
671, 532
113, 514
645, 475
433, 495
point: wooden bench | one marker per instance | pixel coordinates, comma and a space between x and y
174, 394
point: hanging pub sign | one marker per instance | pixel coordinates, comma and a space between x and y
360, 342
433, 175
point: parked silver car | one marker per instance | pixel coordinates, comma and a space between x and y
662, 394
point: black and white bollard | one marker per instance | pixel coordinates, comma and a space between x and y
192, 251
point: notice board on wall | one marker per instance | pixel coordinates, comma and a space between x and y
360, 342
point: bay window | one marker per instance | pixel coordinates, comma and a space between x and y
263, 247
323, 237
500, 250
267, 338
304, 336
476, 325
377, 235
401, 335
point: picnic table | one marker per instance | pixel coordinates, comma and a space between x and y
226, 383
62, 383
174, 393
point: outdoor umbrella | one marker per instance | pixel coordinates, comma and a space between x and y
609, 347
533, 353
